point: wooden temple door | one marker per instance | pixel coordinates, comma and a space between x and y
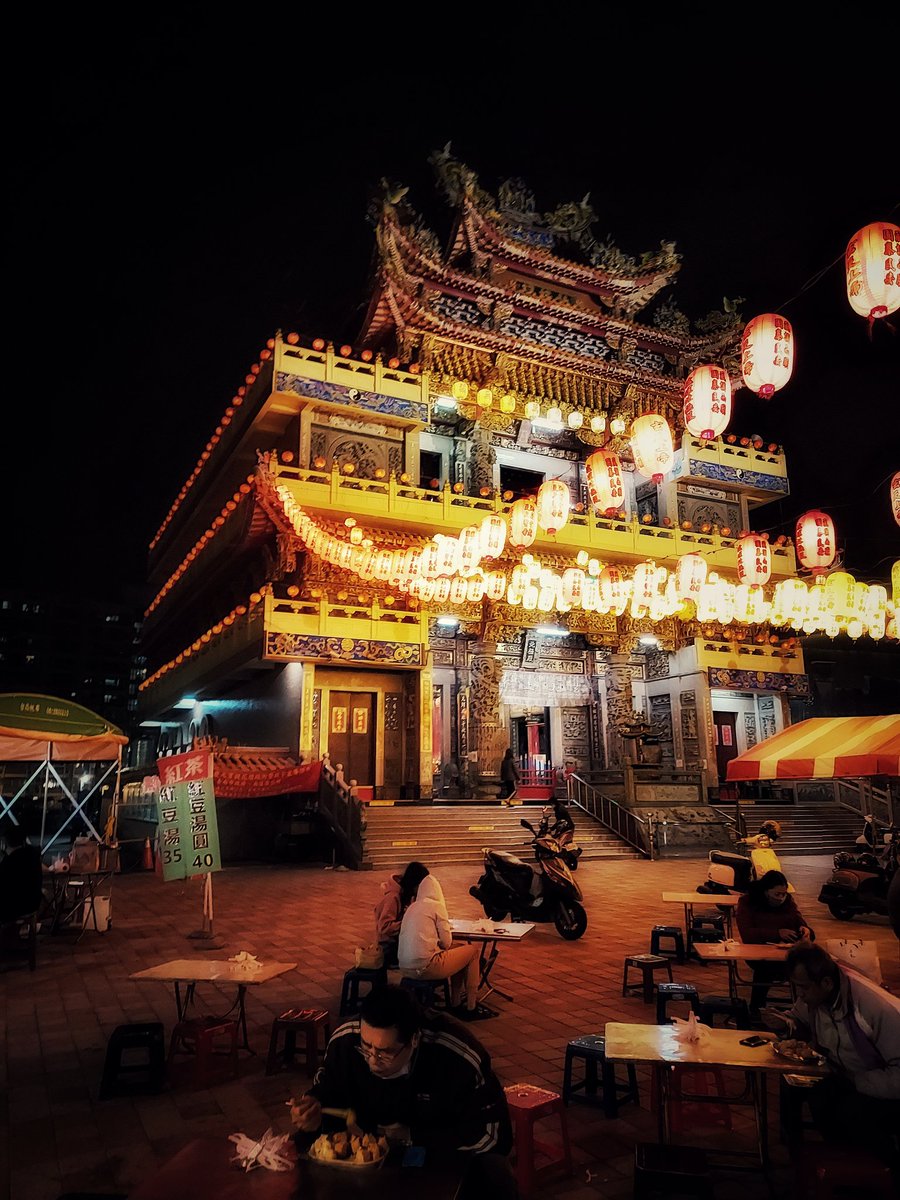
351, 736
725, 728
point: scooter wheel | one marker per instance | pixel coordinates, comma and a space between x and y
840, 913
570, 920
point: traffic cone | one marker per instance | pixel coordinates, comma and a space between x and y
147, 863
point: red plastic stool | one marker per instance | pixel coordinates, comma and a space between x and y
204, 1038
687, 1114
307, 1021
528, 1104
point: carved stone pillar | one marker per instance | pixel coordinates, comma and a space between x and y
481, 462
486, 737
619, 705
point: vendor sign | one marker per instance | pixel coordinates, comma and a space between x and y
188, 828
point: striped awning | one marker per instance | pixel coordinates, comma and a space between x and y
825, 748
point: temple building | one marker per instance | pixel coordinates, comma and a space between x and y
368, 563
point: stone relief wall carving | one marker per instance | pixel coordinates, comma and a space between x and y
619, 705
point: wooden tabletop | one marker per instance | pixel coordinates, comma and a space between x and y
203, 1171
205, 970
719, 1047
502, 931
727, 901
740, 952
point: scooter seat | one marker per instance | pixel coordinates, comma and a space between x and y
515, 870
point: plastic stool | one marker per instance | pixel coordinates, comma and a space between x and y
646, 964
675, 991
145, 1076
672, 1170
307, 1021
791, 1099
591, 1048
827, 1172
735, 1012
202, 1037
706, 929
424, 990
527, 1105
350, 999
670, 933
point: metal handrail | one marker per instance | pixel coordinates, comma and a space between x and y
624, 823
740, 825
340, 805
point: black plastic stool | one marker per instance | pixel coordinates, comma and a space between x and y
591, 1048
672, 1170
791, 1099
646, 964
670, 933
675, 991
424, 990
146, 1076
350, 999
735, 1011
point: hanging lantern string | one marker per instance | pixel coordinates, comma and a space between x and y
814, 279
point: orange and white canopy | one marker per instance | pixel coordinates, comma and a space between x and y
825, 748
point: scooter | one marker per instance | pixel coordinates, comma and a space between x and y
859, 882
730, 872
562, 828
546, 892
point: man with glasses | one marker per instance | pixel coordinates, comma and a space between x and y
424, 1080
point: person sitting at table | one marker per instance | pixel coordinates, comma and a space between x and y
21, 877
426, 950
423, 1079
397, 894
768, 914
856, 1025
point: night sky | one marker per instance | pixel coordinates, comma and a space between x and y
180, 193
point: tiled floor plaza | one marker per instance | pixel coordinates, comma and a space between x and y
58, 1136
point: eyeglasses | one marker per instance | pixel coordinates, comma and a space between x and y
379, 1056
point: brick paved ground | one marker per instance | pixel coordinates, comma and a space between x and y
57, 1136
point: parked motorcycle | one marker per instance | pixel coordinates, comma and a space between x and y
557, 823
859, 882
546, 892
731, 872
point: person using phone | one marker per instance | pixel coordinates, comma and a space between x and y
425, 1080
767, 913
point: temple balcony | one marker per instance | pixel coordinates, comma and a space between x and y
760, 475
390, 505
311, 623
749, 656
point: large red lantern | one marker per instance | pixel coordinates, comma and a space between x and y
522, 524
767, 354
815, 541
895, 496
553, 500
651, 445
604, 480
707, 402
873, 270
754, 560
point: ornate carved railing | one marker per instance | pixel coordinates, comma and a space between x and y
344, 811
625, 824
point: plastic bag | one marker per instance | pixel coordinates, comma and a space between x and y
371, 956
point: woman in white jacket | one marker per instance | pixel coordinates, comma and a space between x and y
427, 950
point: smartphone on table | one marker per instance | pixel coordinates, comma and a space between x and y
754, 1040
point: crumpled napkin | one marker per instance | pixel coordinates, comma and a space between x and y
267, 1152
247, 962
691, 1030
484, 926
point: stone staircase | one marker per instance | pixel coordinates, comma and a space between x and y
816, 829
458, 832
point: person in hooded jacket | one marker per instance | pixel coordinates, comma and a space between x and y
397, 894
427, 950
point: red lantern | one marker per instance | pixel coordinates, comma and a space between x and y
767, 354
754, 560
707, 402
613, 592
553, 502
873, 270
522, 524
651, 445
815, 541
604, 480
493, 536
895, 496
572, 586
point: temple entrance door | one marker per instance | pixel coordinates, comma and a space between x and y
725, 728
351, 735
531, 738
